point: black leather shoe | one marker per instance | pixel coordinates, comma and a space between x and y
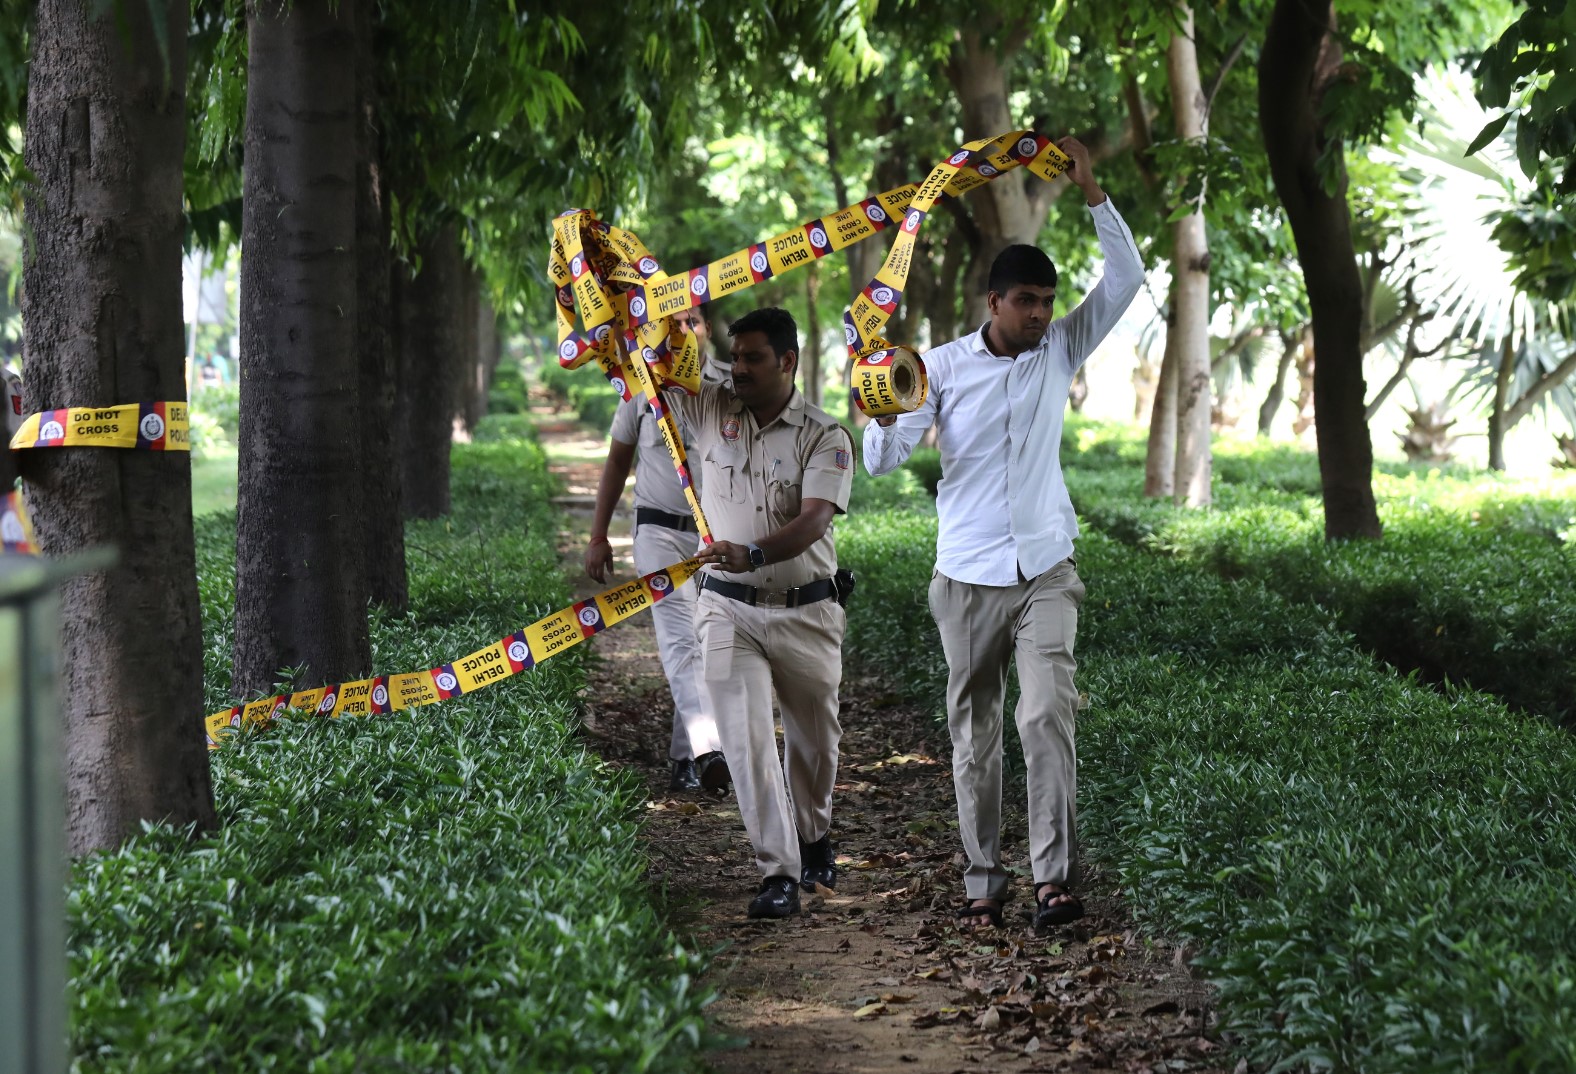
712, 769
779, 897
684, 776
815, 861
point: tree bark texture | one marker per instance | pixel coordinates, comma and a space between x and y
1160, 456
383, 528
1291, 343
428, 349
1004, 212
301, 588
1190, 293
473, 398
106, 135
489, 346
1300, 56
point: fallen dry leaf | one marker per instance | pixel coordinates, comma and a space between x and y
871, 1010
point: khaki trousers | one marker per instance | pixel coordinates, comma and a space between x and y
673, 619
746, 652
982, 628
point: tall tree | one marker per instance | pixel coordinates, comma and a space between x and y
1300, 60
102, 306
1189, 323
301, 590
429, 345
382, 522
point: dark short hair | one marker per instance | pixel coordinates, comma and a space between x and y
1021, 265
778, 324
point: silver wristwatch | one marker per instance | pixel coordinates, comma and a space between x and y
757, 557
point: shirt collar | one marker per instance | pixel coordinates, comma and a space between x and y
978, 345
793, 413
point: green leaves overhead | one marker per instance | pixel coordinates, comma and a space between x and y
1531, 71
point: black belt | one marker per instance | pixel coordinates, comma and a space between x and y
769, 598
650, 516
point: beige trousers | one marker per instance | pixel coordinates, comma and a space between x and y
982, 628
746, 652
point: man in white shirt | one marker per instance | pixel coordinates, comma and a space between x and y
1005, 582
665, 534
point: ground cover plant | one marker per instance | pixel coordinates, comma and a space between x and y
1377, 874
456, 889
1472, 582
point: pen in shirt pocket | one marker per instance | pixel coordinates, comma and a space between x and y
773, 474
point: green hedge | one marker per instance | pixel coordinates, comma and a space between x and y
459, 888
1378, 876
585, 389
1470, 584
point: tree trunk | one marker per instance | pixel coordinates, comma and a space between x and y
1506, 414
429, 342
1160, 458
1190, 293
488, 347
811, 344
106, 135
472, 401
1497, 426
1300, 58
301, 584
383, 527
1307, 362
1002, 209
1290, 344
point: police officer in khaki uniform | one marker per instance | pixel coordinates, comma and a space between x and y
775, 472
664, 534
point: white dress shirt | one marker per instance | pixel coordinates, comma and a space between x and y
1002, 502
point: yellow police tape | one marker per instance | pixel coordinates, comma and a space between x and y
16, 529
626, 302
150, 426
520, 651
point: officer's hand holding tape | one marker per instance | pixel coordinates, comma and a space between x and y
728, 556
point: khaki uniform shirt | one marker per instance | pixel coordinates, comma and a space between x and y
656, 482
756, 479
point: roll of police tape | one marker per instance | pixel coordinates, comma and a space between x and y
16, 529
889, 382
149, 426
520, 651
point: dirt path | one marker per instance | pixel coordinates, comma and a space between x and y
875, 977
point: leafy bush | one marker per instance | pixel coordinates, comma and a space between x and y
1378, 874
221, 403
501, 428
455, 888
507, 394
585, 389
1469, 584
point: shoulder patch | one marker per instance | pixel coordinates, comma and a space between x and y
842, 459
